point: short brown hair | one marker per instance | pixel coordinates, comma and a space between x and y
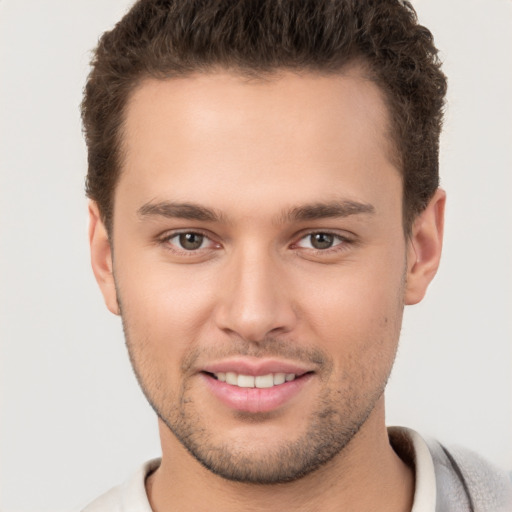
169, 38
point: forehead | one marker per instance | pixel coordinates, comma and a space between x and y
290, 134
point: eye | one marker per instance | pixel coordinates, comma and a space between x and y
320, 241
189, 241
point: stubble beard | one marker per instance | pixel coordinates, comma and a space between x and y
327, 435
338, 417
341, 412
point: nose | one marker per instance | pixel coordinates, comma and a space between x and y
254, 301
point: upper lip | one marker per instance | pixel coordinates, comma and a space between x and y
255, 366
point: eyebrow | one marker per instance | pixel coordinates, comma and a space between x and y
333, 209
172, 210
314, 211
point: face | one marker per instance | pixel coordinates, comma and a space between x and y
259, 264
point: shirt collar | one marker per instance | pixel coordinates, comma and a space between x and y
412, 449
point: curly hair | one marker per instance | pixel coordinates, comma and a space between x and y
170, 38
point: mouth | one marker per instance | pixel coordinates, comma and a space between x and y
251, 381
256, 393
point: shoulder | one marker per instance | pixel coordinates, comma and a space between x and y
464, 476
451, 479
110, 501
127, 497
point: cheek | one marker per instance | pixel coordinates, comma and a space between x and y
163, 304
358, 308
360, 331
163, 316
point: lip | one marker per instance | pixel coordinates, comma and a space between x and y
256, 367
255, 400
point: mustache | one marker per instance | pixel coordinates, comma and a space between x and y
270, 347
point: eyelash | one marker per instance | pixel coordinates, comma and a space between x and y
343, 244
166, 239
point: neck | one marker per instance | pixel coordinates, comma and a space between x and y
366, 475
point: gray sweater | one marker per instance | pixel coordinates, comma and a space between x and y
468, 483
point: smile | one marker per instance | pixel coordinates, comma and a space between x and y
250, 381
255, 393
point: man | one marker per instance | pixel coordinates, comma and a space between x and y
264, 196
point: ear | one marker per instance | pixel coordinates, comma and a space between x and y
101, 258
424, 248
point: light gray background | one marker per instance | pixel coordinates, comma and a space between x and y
73, 421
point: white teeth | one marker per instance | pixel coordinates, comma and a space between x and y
245, 381
264, 381
249, 381
232, 378
279, 378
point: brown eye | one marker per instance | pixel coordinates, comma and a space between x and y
191, 241
321, 240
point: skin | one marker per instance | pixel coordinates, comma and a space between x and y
256, 152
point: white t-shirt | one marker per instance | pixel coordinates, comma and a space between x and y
131, 496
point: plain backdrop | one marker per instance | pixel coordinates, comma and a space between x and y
73, 421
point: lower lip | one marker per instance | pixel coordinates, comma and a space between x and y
256, 399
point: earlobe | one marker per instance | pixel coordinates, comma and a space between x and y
101, 258
424, 248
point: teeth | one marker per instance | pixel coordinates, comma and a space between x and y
245, 381
232, 378
264, 381
249, 381
280, 378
